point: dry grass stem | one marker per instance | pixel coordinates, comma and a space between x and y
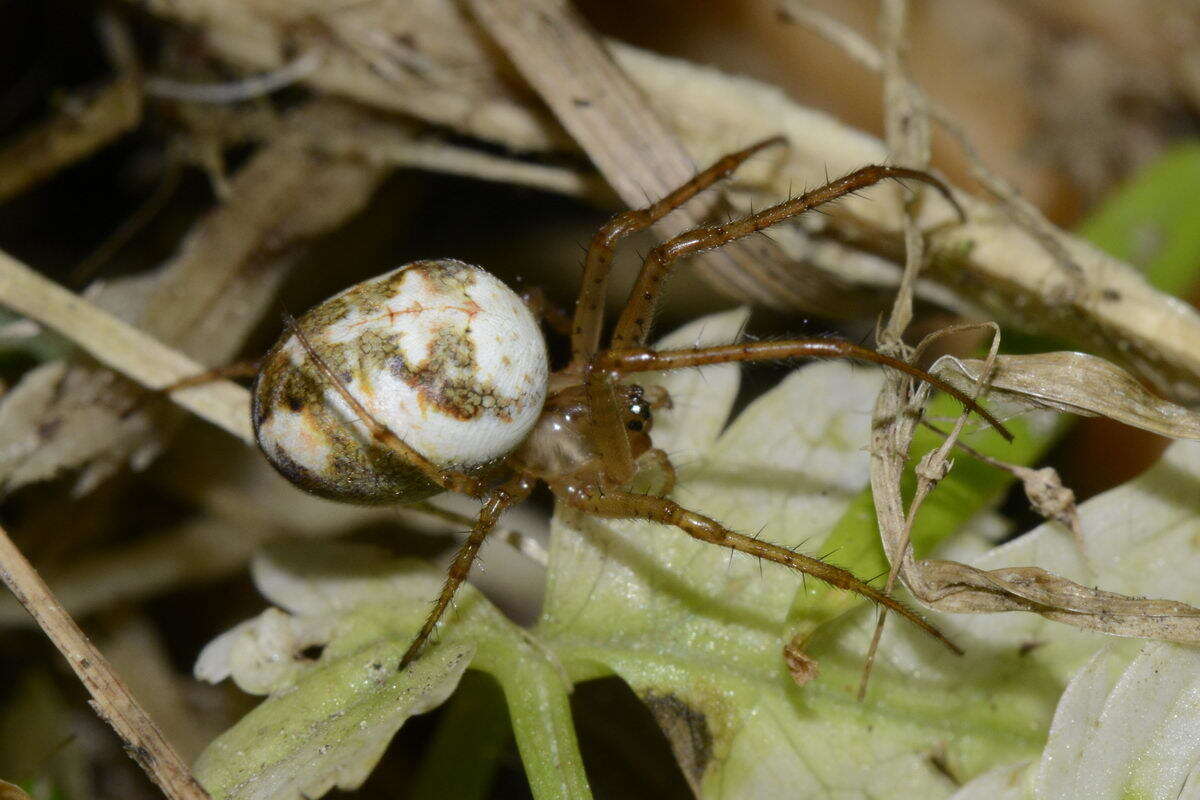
387, 142
110, 697
250, 88
908, 134
82, 125
121, 346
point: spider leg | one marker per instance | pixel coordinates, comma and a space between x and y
450, 479
627, 505
589, 308
238, 369
633, 326
493, 506
643, 360
545, 311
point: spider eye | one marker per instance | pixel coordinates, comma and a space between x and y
635, 425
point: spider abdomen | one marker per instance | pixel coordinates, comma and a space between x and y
440, 352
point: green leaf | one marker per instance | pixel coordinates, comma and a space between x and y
1125, 728
1154, 221
332, 728
327, 722
699, 637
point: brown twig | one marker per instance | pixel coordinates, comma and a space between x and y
111, 699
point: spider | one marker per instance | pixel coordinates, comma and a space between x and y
434, 377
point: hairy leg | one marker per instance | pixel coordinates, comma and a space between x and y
589, 308
239, 369
545, 311
494, 505
626, 505
644, 360
633, 326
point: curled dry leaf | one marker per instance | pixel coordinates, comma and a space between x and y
1077, 383
1049, 497
955, 587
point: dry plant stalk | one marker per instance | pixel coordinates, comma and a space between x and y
908, 134
121, 346
69, 136
112, 700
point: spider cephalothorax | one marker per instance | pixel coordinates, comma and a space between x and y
433, 376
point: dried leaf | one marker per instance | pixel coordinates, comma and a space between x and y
204, 301
59, 416
1077, 383
955, 587
1049, 497
800, 665
1089, 383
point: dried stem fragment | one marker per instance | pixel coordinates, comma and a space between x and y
112, 700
